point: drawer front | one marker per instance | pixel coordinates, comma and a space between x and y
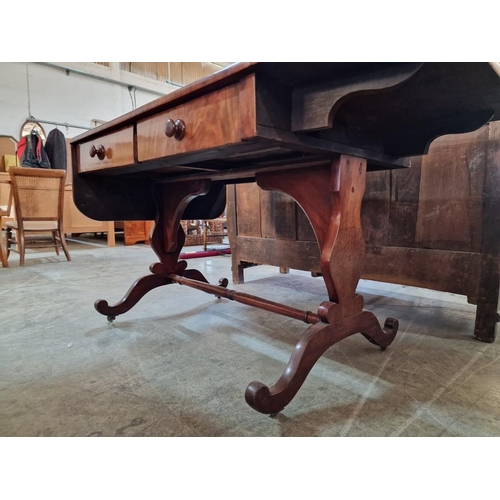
210, 121
118, 150
135, 231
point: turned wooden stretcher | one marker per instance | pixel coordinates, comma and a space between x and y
310, 130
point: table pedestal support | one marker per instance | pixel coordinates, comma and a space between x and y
331, 197
167, 241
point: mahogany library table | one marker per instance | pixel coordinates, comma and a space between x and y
310, 130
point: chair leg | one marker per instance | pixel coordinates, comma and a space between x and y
3, 251
20, 246
63, 244
54, 239
9, 240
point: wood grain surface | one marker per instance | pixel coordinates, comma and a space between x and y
119, 150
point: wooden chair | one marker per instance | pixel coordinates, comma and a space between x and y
4, 211
38, 200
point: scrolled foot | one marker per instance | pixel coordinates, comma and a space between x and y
135, 293
258, 396
102, 307
311, 346
372, 331
391, 324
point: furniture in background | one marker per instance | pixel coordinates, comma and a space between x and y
136, 231
5, 193
202, 232
215, 230
194, 232
139, 231
4, 211
8, 159
38, 195
75, 222
435, 225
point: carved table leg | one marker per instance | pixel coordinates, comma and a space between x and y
167, 241
135, 293
331, 198
311, 346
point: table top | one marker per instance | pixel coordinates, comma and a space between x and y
251, 117
390, 103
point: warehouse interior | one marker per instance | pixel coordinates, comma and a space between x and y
178, 363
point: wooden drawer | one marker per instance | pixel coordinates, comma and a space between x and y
135, 231
118, 147
220, 118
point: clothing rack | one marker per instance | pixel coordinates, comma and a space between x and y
57, 124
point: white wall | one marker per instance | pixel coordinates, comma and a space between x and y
75, 99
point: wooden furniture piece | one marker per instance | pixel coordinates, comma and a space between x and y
310, 130
135, 231
8, 146
4, 211
214, 231
435, 225
5, 194
7, 150
75, 223
202, 232
39, 199
139, 231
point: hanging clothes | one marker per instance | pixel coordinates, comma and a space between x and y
31, 152
55, 146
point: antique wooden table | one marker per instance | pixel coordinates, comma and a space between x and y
310, 130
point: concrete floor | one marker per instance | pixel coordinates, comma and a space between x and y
178, 363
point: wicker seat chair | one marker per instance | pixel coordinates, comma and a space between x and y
38, 201
4, 211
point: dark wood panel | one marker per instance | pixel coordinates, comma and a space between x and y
267, 221
248, 210
403, 211
450, 198
305, 232
273, 108
435, 269
284, 210
375, 208
302, 255
314, 106
491, 219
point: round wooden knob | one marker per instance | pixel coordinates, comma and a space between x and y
100, 151
175, 129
